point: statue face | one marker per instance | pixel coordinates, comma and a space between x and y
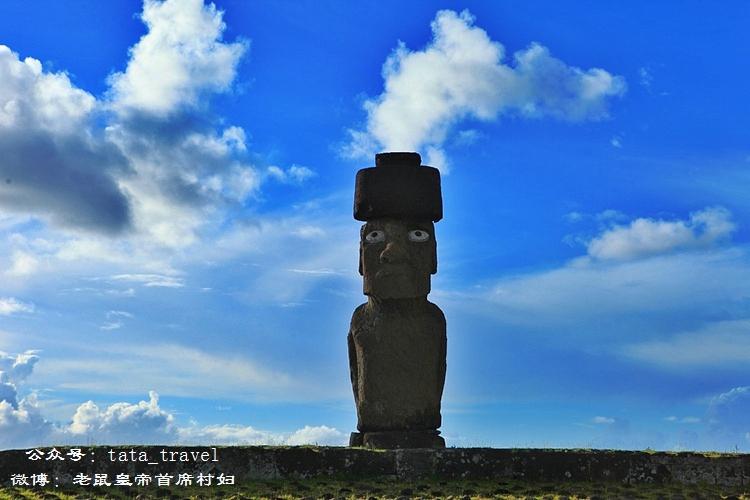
397, 258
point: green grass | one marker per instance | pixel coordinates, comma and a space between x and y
380, 488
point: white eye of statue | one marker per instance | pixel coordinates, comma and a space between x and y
375, 236
418, 235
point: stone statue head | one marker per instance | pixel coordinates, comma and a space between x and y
397, 257
399, 199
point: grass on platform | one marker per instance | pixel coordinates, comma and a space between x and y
327, 488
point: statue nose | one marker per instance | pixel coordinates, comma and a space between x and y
393, 253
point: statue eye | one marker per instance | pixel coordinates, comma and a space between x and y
375, 236
418, 235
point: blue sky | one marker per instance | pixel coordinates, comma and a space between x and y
178, 257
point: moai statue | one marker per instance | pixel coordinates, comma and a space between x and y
397, 342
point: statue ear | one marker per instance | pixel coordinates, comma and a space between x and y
360, 260
434, 251
361, 248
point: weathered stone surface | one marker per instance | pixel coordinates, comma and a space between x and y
395, 159
395, 267
409, 439
398, 189
250, 463
397, 341
397, 351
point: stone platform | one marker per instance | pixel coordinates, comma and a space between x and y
254, 463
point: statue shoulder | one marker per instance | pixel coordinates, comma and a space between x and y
359, 316
435, 311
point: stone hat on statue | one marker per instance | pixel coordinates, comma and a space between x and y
398, 186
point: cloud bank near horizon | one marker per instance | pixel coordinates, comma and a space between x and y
22, 423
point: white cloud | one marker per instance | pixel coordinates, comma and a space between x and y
278, 245
228, 434
113, 325
719, 344
17, 368
151, 280
181, 371
13, 370
645, 77
310, 232
52, 163
31, 98
21, 422
582, 296
728, 414
180, 58
616, 141
22, 264
24, 426
157, 170
295, 174
145, 422
233, 434
9, 305
646, 237
683, 420
461, 74
468, 137
124, 423
119, 314
186, 173
603, 420
320, 435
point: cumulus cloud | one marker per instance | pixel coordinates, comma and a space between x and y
9, 305
461, 74
185, 168
148, 161
21, 422
52, 162
24, 425
242, 435
145, 422
180, 58
647, 237
124, 423
13, 370
228, 434
320, 435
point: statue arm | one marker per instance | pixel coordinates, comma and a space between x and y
442, 347
357, 318
353, 367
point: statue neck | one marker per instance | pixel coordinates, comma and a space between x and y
378, 304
